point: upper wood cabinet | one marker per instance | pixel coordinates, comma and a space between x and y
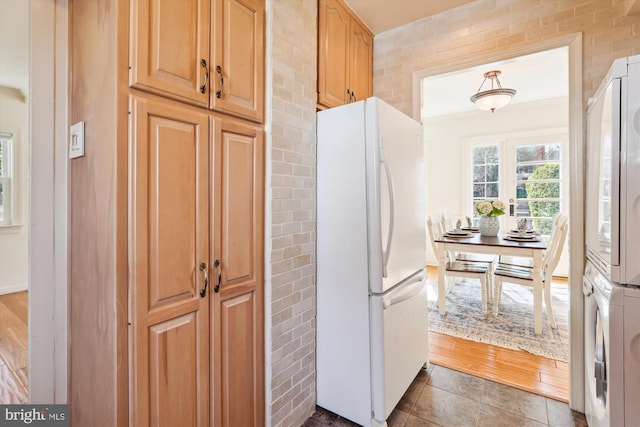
345, 55
208, 53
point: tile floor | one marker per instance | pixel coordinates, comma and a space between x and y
443, 397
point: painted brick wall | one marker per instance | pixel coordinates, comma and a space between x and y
484, 27
293, 211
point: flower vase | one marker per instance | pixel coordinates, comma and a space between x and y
489, 226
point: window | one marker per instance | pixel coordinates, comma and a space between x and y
6, 165
538, 183
485, 173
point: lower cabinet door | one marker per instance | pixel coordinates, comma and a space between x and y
168, 260
238, 297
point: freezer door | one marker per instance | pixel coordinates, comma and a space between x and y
400, 343
395, 195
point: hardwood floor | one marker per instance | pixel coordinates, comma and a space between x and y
516, 368
519, 369
14, 338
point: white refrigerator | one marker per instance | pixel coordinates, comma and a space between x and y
372, 331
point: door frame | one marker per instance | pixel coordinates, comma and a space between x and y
48, 118
576, 185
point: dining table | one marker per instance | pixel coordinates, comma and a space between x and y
496, 245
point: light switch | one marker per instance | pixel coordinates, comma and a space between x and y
76, 140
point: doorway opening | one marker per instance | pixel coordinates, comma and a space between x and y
520, 155
14, 201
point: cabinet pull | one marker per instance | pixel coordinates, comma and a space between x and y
219, 91
354, 96
203, 64
205, 276
349, 93
216, 264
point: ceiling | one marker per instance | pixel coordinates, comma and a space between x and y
383, 15
14, 44
535, 77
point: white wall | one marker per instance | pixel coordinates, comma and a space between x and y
14, 240
446, 138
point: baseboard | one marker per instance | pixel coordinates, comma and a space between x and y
13, 288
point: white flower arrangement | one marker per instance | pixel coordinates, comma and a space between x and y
490, 208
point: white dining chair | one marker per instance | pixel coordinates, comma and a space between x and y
463, 269
489, 259
523, 275
558, 220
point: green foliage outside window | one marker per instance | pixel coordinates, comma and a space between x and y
544, 190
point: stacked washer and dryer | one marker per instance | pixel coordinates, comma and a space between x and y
611, 283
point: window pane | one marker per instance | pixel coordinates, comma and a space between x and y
546, 171
492, 173
479, 174
522, 209
538, 152
478, 190
492, 189
547, 209
478, 155
492, 154
523, 172
521, 191
543, 190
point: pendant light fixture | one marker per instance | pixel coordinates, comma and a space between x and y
494, 98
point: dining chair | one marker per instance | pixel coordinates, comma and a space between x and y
454, 268
558, 220
489, 259
523, 275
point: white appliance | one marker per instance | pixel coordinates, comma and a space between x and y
612, 236
612, 233
612, 351
372, 332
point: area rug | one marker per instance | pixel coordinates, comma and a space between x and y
513, 327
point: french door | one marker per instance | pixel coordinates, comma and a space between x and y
536, 183
530, 175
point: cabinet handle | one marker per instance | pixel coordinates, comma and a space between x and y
203, 64
354, 96
216, 264
219, 91
205, 276
349, 93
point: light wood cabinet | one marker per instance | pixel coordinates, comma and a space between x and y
208, 53
169, 242
171, 182
345, 55
185, 340
238, 245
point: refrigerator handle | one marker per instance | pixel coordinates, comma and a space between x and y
385, 253
412, 288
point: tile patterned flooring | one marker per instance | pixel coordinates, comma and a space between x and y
444, 397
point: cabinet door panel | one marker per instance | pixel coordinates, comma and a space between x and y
169, 238
238, 328
361, 65
333, 33
169, 39
238, 244
238, 50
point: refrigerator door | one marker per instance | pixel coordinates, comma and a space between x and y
395, 195
399, 343
342, 291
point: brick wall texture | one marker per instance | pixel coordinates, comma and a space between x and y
485, 27
293, 210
